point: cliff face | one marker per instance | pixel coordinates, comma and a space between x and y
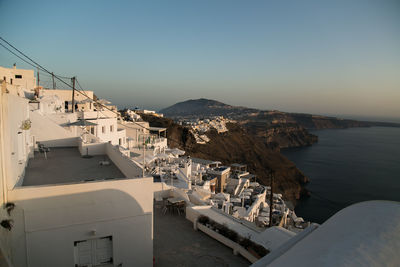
276, 129
254, 140
321, 122
279, 136
239, 146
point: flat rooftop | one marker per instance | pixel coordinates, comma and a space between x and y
176, 243
363, 234
66, 165
204, 161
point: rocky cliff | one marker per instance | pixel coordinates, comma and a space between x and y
238, 146
276, 129
282, 135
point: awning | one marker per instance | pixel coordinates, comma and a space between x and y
176, 151
157, 129
81, 123
164, 156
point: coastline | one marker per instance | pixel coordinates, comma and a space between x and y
347, 166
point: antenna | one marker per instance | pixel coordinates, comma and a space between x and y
38, 78
73, 94
54, 83
144, 155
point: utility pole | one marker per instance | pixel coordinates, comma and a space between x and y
54, 83
144, 156
38, 78
73, 94
271, 197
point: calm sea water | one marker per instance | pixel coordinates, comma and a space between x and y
347, 166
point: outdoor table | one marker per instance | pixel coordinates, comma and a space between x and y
175, 200
175, 203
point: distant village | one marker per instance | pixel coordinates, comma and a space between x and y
199, 127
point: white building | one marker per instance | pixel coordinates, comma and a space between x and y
63, 209
102, 119
363, 234
20, 79
66, 97
133, 115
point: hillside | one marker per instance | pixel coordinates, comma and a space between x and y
203, 107
238, 146
275, 128
206, 107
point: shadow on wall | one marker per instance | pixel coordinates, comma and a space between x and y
62, 142
50, 226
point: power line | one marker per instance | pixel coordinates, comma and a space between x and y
37, 65
18, 56
144, 127
51, 75
34, 63
82, 92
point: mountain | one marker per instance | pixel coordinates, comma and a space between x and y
203, 107
277, 129
273, 128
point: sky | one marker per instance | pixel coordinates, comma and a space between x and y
321, 57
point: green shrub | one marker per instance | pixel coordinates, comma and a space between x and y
232, 235
245, 242
214, 225
203, 219
260, 250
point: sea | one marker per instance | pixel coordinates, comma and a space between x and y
348, 166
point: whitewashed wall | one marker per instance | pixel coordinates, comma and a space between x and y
127, 166
27, 82
48, 132
107, 135
66, 95
51, 218
92, 148
17, 142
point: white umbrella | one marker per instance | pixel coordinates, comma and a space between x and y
176, 151
163, 156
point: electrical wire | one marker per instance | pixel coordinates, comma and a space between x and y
37, 64
17, 55
82, 92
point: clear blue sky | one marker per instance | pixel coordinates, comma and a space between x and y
326, 57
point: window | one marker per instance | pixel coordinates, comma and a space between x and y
93, 252
120, 141
18, 76
10, 81
92, 130
111, 128
103, 129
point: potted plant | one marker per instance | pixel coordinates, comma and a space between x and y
26, 125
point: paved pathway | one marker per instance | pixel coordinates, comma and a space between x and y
177, 244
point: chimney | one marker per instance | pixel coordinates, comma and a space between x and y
3, 86
15, 66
